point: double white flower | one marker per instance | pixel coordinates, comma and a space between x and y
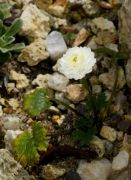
76, 62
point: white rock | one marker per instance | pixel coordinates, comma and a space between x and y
74, 2
56, 45
96, 170
11, 122
1, 111
120, 161
57, 82
10, 135
11, 169
41, 80
21, 79
34, 53
108, 133
108, 78
35, 23
103, 24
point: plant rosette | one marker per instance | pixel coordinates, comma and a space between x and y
76, 62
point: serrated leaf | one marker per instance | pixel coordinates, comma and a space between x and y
13, 29
36, 102
24, 149
82, 137
27, 144
39, 136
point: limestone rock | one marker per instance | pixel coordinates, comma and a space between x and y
10, 135
52, 172
120, 161
21, 79
11, 169
57, 82
41, 80
97, 144
56, 45
75, 92
11, 122
95, 170
108, 133
35, 23
34, 53
14, 103
102, 24
108, 78
91, 8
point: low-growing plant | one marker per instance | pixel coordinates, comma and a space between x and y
85, 124
27, 144
7, 35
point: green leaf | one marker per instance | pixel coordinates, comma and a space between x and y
27, 144
112, 53
5, 10
13, 29
82, 137
24, 149
39, 136
2, 28
36, 102
12, 47
99, 101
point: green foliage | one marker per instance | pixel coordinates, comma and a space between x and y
111, 53
99, 101
84, 131
36, 102
7, 39
4, 11
27, 144
69, 37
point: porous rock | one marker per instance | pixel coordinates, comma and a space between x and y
35, 23
11, 169
34, 53
21, 79
52, 172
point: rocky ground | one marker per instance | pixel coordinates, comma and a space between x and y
49, 29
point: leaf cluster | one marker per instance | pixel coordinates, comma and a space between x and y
36, 101
85, 129
27, 144
7, 35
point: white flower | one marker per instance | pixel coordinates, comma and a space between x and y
76, 62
